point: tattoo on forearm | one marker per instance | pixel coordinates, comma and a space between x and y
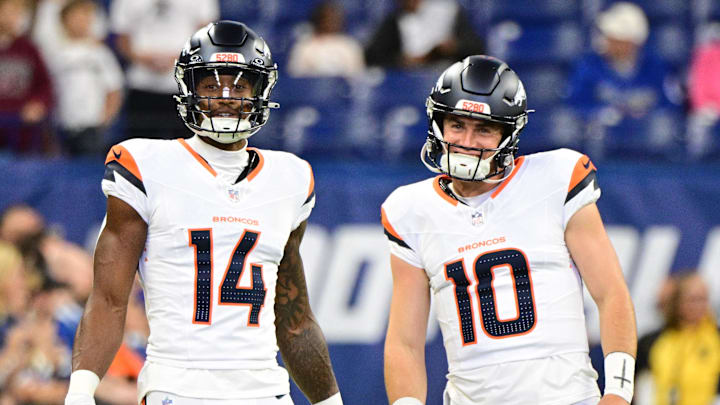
300, 339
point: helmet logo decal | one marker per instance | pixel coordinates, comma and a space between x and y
439, 85
258, 62
227, 57
196, 59
473, 106
520, 96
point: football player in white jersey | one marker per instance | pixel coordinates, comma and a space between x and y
213, 228
504, 245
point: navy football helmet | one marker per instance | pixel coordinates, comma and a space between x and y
221, 49
480, 87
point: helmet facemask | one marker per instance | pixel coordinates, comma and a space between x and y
224, 101
481, 164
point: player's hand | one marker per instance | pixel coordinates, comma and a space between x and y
609, 399
79, 399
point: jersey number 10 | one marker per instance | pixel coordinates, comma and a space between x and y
229, 293
486, 266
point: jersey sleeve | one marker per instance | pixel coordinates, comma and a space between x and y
123, 180
309, 203
582, 189
399, 245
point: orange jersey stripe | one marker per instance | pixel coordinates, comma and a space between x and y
259, 166
583, 167
312, 182
441, 193
121, 155
518, 162
197, 157
386, 224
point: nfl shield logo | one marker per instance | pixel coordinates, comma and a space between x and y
477, 218
234, 195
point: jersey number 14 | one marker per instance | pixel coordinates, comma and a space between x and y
486, 267
229, 292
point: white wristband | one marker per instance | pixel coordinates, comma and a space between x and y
333, 400
620, 375
83, 382
407, 401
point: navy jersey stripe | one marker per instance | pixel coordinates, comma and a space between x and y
115, 167
310, 197
395, 239
590, 178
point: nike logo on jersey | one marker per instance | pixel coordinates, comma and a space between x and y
117, 155
586, 164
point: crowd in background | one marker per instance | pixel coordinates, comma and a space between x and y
79, 75
44, 283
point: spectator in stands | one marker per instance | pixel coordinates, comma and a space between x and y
704, 92
29, 349
42, 378
149, 33
65, 262
19, 221
684, 358
326, 50
89, 81
47, 28
25, 88
620, 81
422, 32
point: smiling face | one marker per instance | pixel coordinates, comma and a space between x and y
471, 133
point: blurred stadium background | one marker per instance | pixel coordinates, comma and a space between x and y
363, 135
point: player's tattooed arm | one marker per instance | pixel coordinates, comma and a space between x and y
299, 337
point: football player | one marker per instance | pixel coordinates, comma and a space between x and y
213, 227
504, 244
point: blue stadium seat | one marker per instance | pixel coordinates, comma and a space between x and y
321, 91
536, 11
664, 10
545, 83
547, 43
673, 42
243, 11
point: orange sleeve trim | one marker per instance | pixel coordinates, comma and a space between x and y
120, 154
259, 166
311, 188
386, 224
440, 192
197, 157
582, 168
518, 162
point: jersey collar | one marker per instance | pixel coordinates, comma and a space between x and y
255, 162
441, 188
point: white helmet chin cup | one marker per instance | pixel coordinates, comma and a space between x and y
224, 129
465, 167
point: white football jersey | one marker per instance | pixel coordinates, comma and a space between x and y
504, 285
209, 268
